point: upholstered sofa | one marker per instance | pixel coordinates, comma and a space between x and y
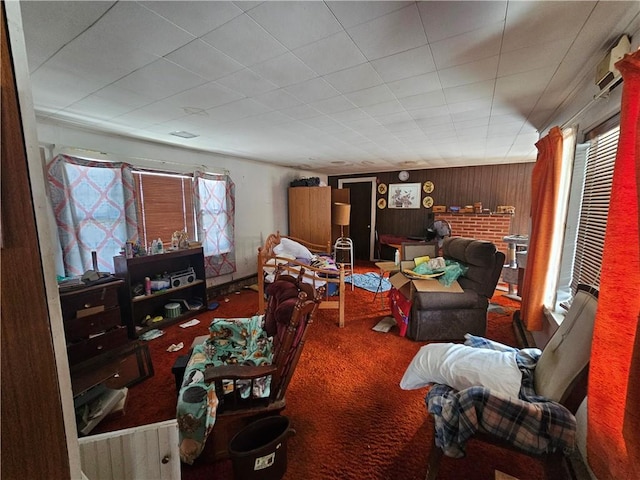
448, 316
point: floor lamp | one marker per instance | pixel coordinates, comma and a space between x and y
343, 248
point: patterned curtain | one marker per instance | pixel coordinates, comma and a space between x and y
95, 210
215, 213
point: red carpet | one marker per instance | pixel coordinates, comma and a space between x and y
352, 420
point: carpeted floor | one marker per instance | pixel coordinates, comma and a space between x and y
352, 420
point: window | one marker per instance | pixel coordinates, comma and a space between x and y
587, 212
101, 205
165, 205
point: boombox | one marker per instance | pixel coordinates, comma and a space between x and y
182, 278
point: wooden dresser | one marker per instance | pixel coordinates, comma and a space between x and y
92, 320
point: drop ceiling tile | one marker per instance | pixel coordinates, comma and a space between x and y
331, 54
371, 96
295, 24
468, 47
134, 24
333, 105
528, 25
485, 69
71, 18
393, 33
245, 41
510, 86
53, 89
236, 110
85, 58
247, 82
301, 112
205, 96
277, 99
533, 57
204, 60
96, 107
196, 18
384, 108
284, 70
160, 79
472, 91
427, 123
447, 19
405, 64
354, 78
423, 100
312, 90
349, 116
351, 13
407, 87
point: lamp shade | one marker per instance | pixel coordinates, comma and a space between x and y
340, 213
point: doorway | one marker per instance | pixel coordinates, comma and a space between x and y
362, 193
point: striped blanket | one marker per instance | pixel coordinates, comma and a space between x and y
532, 423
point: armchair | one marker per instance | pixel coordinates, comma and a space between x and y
242, 371
449, 316
540, 422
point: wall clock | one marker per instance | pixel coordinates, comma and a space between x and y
428, 187
382, 203
427, 202
403, 175
382, 188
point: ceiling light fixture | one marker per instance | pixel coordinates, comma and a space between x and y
183, 134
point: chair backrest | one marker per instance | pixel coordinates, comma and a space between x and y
411, 250
561, 371
291, 308
484, 260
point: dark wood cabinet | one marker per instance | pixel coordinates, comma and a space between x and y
190, 291
92, 320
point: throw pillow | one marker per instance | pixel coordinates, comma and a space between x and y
461, 366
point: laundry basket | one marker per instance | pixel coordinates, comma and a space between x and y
259, 450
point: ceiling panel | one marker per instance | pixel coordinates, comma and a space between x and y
333, 87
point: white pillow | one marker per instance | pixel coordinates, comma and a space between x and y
461, 366
292, 247
282, 259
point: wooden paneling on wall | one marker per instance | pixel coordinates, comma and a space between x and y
493, 185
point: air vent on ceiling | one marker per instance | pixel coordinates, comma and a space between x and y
606, 72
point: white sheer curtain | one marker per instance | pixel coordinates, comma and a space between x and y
215, 215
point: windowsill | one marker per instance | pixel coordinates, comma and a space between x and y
554, 318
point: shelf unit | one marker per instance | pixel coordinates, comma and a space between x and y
134, 270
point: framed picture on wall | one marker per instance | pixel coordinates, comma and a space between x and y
404, 195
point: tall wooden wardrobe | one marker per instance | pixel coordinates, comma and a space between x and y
310, 213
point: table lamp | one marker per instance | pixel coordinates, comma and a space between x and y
340, 215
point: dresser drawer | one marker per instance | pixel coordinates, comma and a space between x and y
79, 328
91, 347
88, 301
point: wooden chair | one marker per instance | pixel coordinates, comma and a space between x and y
286, 319
560, 375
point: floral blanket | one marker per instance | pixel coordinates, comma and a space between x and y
231, 341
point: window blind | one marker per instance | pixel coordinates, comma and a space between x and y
594, 209
165, 205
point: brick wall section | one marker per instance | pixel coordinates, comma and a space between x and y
490, 227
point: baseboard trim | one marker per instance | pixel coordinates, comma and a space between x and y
231, 287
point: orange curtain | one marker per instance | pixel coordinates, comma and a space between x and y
545, 183
613, 431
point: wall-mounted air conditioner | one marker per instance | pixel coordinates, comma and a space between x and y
606, 72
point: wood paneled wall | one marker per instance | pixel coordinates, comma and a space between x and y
493, 185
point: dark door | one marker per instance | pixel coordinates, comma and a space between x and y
360, 228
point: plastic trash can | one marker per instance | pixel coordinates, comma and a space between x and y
259, 450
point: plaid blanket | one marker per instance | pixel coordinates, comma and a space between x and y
532, 423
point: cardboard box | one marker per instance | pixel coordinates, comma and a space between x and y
407, 286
